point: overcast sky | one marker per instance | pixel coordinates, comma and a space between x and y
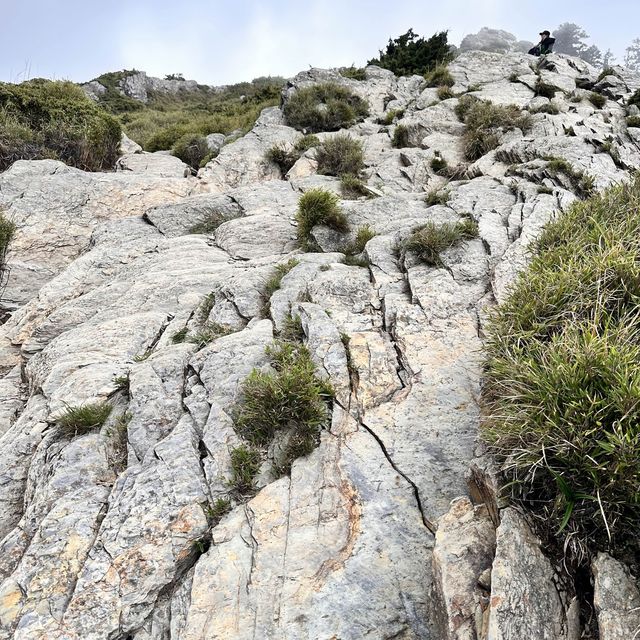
225, 41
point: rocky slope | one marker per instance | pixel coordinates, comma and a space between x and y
108, 534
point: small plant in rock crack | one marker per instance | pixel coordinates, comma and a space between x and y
83, 418
292, 330
437, 196
7, 231
354, 73
439, 165
633, 121
390, 116
545, 90
207, 333
121, 383
318, 206
290, 400
217, 510
582, 183
282, 156
429, 240
141, 357
245, 464
273, 282
597, 100
445, 92
403, 137
180, 336
352, 187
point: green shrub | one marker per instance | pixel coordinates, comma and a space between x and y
44, 119
306, 142
353, 187
514, 77
318, 206
273, 283
402, 137
218, 510
575, 99
607, 71
410, 54
7, 231
634, 99
562, 385
180, 336
363, 235
353, 72
633, 121
543, 89
283, 157
439, 166
84, 418
122, 383
597, 100
429, 240
439, 76
191, 149
582, 184
444, 93
339, 155
291, 398
549, 108
390, 116
245, 464
324, 107
465, 103
437, 196
485, 121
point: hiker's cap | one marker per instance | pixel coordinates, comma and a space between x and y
544, 33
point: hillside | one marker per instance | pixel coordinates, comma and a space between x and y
235, 406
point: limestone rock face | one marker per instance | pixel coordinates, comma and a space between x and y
146, 289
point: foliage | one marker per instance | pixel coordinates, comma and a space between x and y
306, 142
121, 383
597, 100
634, 99
410, 54
437, 196
353, 187
570, 41
402, 137
363, 235
7, 231
548, 107
282, 156
390, 116
439, 165
353, 72
324, 107
445, 93
207, 333
318, 206
439, 76
84, 418
290, 399
273, 283
562, 385
544, 90
43, 119
218, 510
429, 240
191, 149
633, 121
245, 464
632, 55
582, 183
339, 155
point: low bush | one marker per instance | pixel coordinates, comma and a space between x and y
245, 464
282, 156
402, 137
353, 187
191, 149
390, 116
290, 398
318, 206
633, 121
306, 142
597, 100
543, 89
84, 418
42, 119
339, 155
562, 386
207, 333
437, 196
439, 166
429, 240
353, 72
324, 107
439, 76
363, 235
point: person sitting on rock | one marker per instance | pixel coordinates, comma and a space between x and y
544, 46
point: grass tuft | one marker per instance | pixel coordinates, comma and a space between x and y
318, 206
84, 418
245, 464
597, 100
339, 155
354, 73
439, 76
273, 283
429, 240
437, 196
582, 183
633, 121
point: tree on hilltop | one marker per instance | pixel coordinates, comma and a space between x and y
632, 55
409, 53
570, 40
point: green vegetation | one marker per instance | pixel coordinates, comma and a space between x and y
245, 464
545, 90
439, 165
192, 149
43, 119
514, 77
318, 206
444, 93
429, 240
437, 196
363, 235
410, 54
83, 418
273, 283
402, 137
549, 108
207, 333
324, 107
390, 116
562, 385
339, 155
121, 383
353, 72
166, 118
218, 510
582, 184
634, 99
285, 158
597, 100
353, 187
439, 76
575, 99
208, 226
633, 121
7, 231
485, 122
289, 399
545, 190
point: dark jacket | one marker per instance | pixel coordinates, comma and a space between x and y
543, 47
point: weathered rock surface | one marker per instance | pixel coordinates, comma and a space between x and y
113, 534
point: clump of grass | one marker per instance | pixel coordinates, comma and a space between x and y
608, 147
633, 121
465, 103
444, 93
273, 283
318, 206
439, 76
429, 240
363, 235
207, 333
141, 357
562, 384
84, 418
543, 89
437, 196
209, 224
575, 99
353, 187
353, 72
180, 336
245, 464
549, 108
282, 156
218, 510
485, 122
607, 71
582, 183
292, 330
191, 149
306, 142
7, 232
339, 155
390, 116
597, 100
439, 165
121, 383
402, 137
290, 399
324, 107
542, 189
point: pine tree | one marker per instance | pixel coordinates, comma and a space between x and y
570, 40
632, 55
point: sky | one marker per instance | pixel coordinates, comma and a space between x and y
221, 41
